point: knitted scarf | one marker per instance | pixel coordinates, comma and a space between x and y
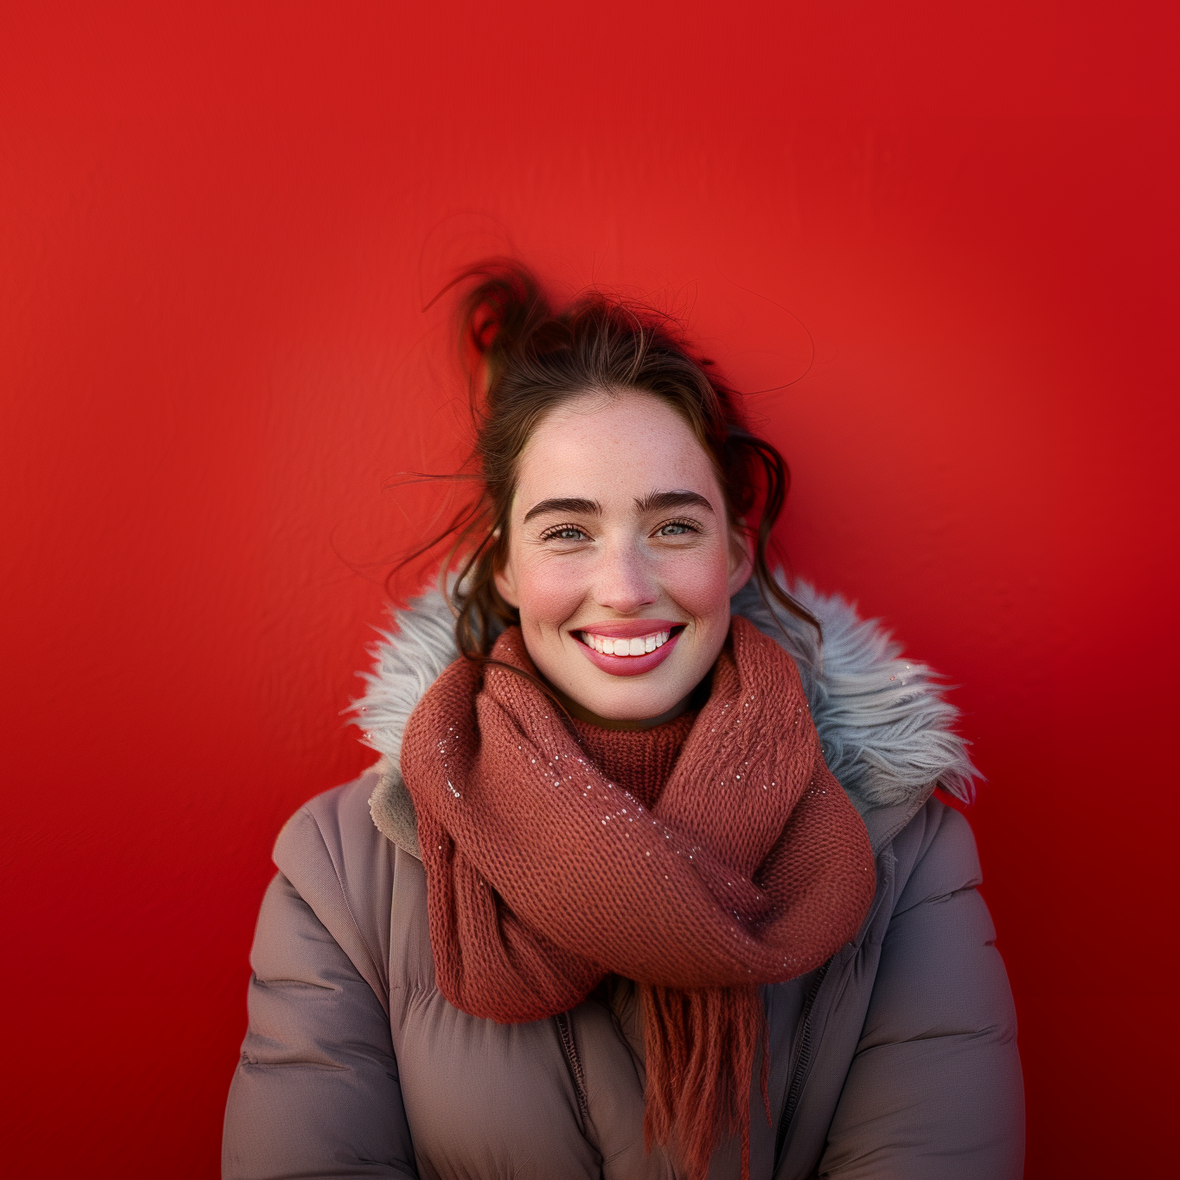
543, 876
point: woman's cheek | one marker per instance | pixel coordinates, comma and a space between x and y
700, 587
548, 594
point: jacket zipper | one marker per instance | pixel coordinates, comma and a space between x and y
565, 1032
801, 1064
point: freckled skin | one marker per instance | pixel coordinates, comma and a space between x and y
566, 571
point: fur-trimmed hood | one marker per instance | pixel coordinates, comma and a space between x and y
884, 726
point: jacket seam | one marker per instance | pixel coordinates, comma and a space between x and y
250, 1063
937, 898
286, 981
993, 1032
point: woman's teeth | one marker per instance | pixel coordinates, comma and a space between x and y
638, 646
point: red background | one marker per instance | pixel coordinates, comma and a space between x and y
220, 224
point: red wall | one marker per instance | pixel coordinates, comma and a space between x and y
220, 223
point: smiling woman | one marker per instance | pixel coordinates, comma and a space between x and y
649, 880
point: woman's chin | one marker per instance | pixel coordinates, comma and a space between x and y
630, 704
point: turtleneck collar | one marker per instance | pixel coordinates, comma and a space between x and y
639, 760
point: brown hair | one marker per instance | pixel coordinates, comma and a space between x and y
527, 357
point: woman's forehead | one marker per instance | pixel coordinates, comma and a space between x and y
615, 451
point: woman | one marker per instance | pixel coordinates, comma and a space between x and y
649, 880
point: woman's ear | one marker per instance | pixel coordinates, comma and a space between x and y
505, 580
741, 557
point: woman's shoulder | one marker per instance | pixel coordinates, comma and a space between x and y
935, 855
338, 862
334, 823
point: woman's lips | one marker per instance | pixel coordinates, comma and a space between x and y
629, 665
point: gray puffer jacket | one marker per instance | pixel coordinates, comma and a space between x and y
896, 1059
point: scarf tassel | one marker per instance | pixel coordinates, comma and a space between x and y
700, 1048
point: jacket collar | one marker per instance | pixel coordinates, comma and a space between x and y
884, 725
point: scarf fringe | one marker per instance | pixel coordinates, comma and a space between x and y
700, 1048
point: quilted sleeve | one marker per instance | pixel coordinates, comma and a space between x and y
316, 1093
935, 1089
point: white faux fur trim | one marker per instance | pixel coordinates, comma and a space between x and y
885, 728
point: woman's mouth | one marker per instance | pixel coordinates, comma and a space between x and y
620, 646
629, 649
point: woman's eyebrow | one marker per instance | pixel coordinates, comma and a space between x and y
568, 504
663, 501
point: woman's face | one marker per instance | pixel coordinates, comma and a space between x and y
619, 542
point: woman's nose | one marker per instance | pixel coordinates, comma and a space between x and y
624, 580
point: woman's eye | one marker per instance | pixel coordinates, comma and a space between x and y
567, 532
676, 528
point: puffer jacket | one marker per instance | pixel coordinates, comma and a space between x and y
896, 1059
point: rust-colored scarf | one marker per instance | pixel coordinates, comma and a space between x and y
543, 876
